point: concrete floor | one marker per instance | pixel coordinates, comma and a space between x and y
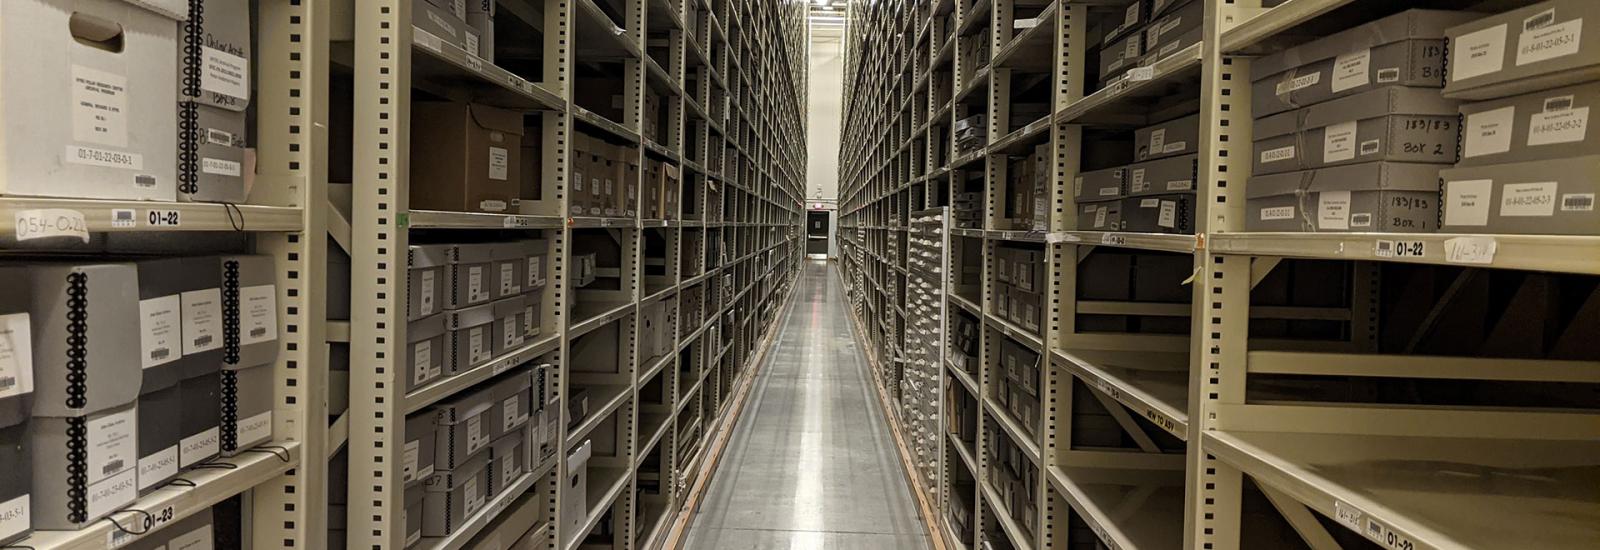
812, 463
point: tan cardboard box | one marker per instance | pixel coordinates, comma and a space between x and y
1388, 197
1542, 125
465, 157
1395, 123
1552, 197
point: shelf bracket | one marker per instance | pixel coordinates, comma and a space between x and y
1261, 267
1301, 519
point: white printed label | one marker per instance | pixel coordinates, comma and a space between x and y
422, 361
221, 167
1138, 184
408, 460
1467, 202
1279, 154
15, 516
198, 539
16, 360
471, 493
258, 314
1131, 49
106, 158
51, 222
1528, 199
1169, 214
198, 447
1180, 185
1130, 17
157, 467
475, 438
508, 470
226, 74
1100, 217
426, 291
1158, 140
1577, 202
511, 334
1149, 203
1347, 514
1350, 70
1478, 53
1543, 44
202, 320
111, 494
475, 292
1298, 83
1470, 250
1564, 126
472, 44
160, 330
476, 350
1339, 142
255, 429
99, 107
508, 279
1108, 191
529, 326
1175, 147
534, 270
1488, 132
499, 163
1333, 210
113, 447
511, 413
1277, 213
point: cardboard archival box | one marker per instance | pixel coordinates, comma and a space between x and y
670, 191
1133, 16
1541, 46
1387, 197
214, 97
220, 142
466, 157
575, 489
1174, 31
471, 339
445, 23
159, 436
1100, 216
506, 462
602, 179
628, 178
455, 495
84, 466
428, 277
1171, 213
250, 302
1162, 176
1097, 185
90, 109
509, 330
16, 478
578, 194
512, 397
471, 275
1405, 49
247, 400
510, 269
1542, 125
428, 351
1119, 56
162, 283
1554, 197
417, 458
201, 422
531, 178
16, 396
1168, 139
1395, 123
415, 509
91, 311
532, 315
535, 252
463, 427
480, 16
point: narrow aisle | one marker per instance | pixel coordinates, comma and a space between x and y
811, 463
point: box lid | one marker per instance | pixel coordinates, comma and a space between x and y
507, 307
502, 252
425, 328
431, 255
511, 385
1366, 176
462, 407
506, 444
579, 457
533, 247
481, 314
499, 120
1392, 100
1407, 25
471, 253
176, 9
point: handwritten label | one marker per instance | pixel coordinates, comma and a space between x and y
46, 223
1470, 250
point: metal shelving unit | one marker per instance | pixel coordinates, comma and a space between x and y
278, 480
1204, 433
730, 78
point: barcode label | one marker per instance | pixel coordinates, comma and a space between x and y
111, 467
1400, 249
8, 383
122, 218
1577, 202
